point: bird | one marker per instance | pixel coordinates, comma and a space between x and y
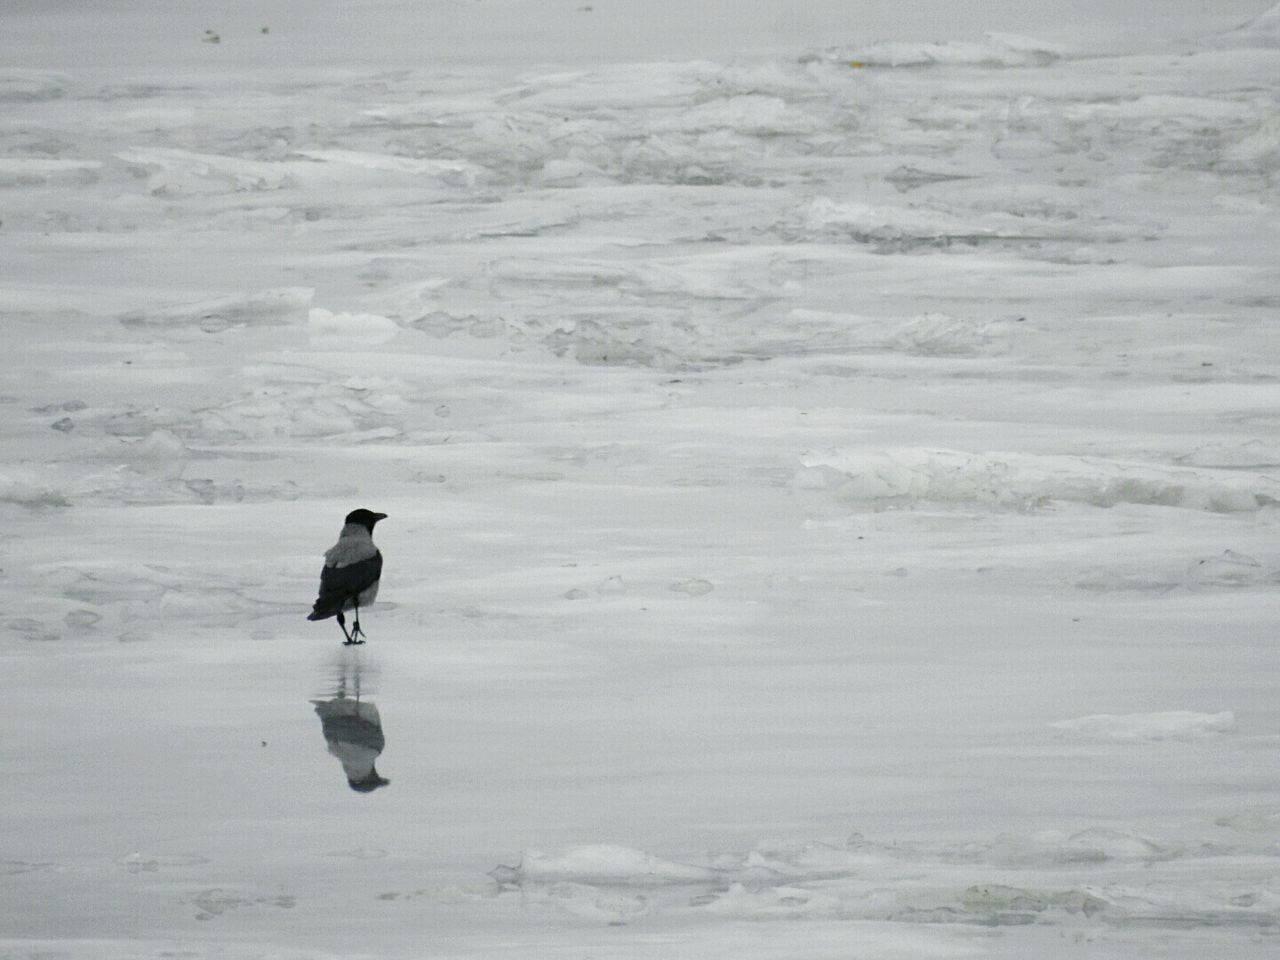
352, 568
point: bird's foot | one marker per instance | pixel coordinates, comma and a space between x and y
352, 642
356, 633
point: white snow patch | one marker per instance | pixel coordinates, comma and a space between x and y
753, 115
1250, 454
158, 445
1258, 150
15, 171
276, 306
1263, 29
901, 476
27, 86
338, 329
28, 491
1048, 878
1183, 725
999, 50
603, 863
455, 172
1095, 845
921, 226
172, 170
1231, 569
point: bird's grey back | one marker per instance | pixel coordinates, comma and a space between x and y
354, 544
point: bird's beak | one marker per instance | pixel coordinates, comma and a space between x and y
379, 516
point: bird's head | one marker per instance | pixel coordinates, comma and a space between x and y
366, 518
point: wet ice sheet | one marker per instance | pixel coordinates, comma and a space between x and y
834, 486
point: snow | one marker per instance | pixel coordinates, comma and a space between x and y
908, 476
830, 456
1172, 725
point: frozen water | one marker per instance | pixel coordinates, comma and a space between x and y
830, 453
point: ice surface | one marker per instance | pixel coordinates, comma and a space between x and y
830, 455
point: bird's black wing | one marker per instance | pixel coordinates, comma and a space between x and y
339, 585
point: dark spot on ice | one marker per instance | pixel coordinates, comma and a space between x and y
504, 875
70, 406
32, 630
81, 618
11, 867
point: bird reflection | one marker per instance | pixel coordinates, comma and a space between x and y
352, 727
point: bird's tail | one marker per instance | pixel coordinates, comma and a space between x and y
324, 608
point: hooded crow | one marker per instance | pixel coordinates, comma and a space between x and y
349, 579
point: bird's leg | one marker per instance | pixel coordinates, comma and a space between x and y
355, 627
342, 622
